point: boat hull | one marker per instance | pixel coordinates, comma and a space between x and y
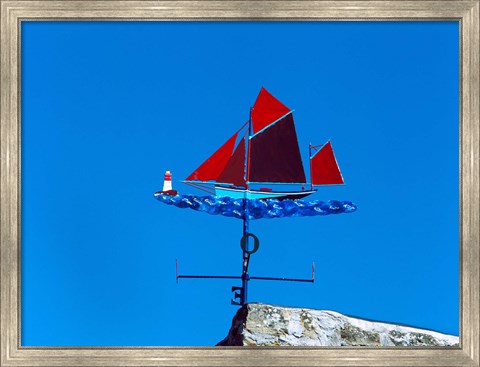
259, 194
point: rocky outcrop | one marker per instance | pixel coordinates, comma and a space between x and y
258, 324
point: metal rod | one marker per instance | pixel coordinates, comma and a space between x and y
210, 276
284, 279
245, 256
240, 277
313, 271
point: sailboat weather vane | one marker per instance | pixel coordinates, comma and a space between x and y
258, 173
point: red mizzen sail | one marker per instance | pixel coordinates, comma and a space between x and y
275, 156
324, 167
214, 165
267, 109
234, 171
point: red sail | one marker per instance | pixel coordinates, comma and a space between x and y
324, 167
275, 156
266, 110
234, 171
213, 166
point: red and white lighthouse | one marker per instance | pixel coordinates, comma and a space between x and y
167, 181
167, 186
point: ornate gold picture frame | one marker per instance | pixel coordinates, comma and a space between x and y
14, 12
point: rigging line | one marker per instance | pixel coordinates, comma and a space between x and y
199, 187
208, 183
319, 145
236, 132
318, 148
283, 279
203, 188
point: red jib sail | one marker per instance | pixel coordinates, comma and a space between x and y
214, 165
324, 167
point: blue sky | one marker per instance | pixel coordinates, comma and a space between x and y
107, 107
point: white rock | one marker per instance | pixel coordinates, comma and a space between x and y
266, 325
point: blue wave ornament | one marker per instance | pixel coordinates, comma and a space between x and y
258, 209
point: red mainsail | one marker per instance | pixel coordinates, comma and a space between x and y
274, 154
324, 167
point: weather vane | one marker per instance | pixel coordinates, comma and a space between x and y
258, 173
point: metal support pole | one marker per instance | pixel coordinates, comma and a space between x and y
246, 257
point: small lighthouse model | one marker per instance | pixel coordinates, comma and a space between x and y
167, 181
167, 185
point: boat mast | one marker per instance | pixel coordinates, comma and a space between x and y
310, 161
249, 134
